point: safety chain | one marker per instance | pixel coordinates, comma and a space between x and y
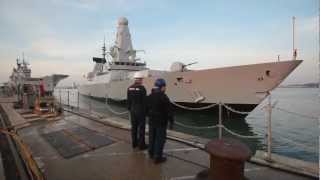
195, 127
217, 126
192, 108
297, 114
239, 135
233, 110
112, 110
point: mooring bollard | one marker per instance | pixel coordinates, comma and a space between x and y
227, 159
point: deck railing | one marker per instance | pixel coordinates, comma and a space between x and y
268, 108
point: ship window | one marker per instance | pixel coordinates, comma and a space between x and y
268, 72
179, 79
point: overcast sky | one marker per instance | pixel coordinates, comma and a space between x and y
61, 36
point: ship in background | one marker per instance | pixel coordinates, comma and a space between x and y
21, 76
240, 87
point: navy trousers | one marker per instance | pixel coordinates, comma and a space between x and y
157, 139
138, 128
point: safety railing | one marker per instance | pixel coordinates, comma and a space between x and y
269, 107
220, 125
72, 98
65, 96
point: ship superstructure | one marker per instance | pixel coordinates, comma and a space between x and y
21, 76
242, 87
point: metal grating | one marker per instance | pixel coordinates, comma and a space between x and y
75, 141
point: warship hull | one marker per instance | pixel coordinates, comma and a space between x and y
242, 86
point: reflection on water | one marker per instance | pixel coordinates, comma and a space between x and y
292, 136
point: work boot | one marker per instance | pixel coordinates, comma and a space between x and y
160, 160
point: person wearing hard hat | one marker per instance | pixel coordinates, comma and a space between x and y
160, 114
136, 101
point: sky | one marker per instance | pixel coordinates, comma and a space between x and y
62, 36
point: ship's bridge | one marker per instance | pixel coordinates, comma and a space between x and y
127, 65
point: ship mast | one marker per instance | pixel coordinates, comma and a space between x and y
104, 48
23, 61
104, 51
319, 48
294, 50
18, 61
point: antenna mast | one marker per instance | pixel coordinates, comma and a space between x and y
294, 50
104, 48
18, 61
319, 48
23, 62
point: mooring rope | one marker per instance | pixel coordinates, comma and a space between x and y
239, 135
112, 110
195, 127
25, 153
233, 110
193, 108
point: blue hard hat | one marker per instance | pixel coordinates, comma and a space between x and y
160, 83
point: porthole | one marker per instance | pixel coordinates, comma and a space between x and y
268, 72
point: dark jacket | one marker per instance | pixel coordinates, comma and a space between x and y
136, 99
159, 108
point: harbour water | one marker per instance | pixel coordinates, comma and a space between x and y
295, 123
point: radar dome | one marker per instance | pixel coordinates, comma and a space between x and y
123, 21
